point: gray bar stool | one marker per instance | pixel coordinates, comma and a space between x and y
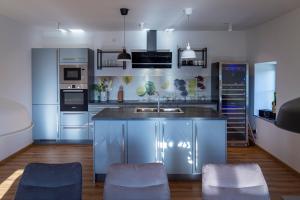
136, 182
234, 182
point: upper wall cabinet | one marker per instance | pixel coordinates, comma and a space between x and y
78, 55
109, 59
44, 76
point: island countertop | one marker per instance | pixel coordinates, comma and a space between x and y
127, 113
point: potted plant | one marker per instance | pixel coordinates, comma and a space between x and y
100, 89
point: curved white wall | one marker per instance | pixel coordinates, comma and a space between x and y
15, 77
278, 40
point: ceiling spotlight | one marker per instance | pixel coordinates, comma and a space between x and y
229, 28
76, 30
142, 27
169, 29
60, 29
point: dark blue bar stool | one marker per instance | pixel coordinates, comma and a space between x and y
51, 181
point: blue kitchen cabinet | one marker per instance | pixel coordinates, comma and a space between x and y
45, 94
210, 143
44, 76
73, 55
142, 141
74, 133
74, 126
46, 122
176, 146
109, 144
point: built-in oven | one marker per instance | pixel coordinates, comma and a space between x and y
73, 97
73, 74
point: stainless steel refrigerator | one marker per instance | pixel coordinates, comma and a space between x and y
45, 94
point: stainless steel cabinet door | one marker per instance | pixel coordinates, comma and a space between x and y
74, 118
176, 146
142, 141
44, 76
109, 144
73, 55
74, 133
46, 122
93, 110
210, 142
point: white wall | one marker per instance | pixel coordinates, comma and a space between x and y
15, 75
222, 46
280, 143
15, 61
278, 40
264, 86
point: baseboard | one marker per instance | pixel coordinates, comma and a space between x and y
277, 159
16, 154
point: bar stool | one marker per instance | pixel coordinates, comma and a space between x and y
136, 182
234, 182
50, 181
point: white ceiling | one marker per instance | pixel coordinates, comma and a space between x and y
157, 14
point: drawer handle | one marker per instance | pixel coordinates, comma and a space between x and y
75, 127
74, 113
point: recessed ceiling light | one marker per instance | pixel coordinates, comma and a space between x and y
76, 30
146, 29
169, 29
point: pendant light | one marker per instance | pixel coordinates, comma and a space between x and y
124, 56
188, 53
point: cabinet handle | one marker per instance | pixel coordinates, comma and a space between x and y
163, 143
73, 91
75, 127
123, 142
156, 142
196, 148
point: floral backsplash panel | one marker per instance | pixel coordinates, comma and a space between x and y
145, 88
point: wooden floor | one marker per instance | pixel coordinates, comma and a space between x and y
281, 180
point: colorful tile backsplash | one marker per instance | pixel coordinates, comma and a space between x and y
145, 88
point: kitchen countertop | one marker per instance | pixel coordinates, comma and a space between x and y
136, 102
127, 113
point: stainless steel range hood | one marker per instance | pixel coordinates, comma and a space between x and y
152, 40
289, 116
151, 58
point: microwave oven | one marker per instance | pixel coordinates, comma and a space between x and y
73, 74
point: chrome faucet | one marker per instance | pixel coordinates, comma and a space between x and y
158, 101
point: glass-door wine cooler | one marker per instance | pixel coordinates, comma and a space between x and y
229, 84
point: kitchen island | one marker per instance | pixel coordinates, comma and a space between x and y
183, 141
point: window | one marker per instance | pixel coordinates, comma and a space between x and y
264, 85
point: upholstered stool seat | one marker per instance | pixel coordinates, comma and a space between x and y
136, 182
233, 182
50, 181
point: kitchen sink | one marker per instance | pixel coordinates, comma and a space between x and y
161, 110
